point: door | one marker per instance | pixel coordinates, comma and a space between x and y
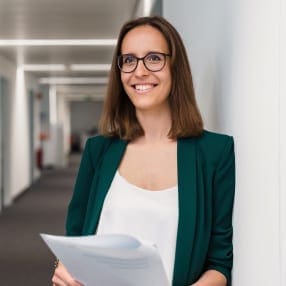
3, 102
1, 143
31, 122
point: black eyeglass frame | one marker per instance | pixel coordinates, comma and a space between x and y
143, 60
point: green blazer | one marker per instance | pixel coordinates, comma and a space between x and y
206, 181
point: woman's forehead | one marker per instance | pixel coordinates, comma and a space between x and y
144, 39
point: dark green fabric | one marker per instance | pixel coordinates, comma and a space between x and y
206, 182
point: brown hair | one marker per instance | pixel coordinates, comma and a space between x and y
119, 117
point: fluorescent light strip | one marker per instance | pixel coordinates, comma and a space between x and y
147, 7
73, 80
90, 67
62, 67
50, 67
45, 42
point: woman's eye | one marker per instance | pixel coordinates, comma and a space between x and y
129, 60
153, 58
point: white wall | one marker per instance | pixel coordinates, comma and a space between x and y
64, 118
16, 137
20, 141
282, 129
54, 116
7, 70
236, 56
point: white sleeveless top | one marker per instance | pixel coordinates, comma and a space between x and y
144, 214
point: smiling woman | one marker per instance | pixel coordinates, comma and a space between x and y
137, 46
154, 173
155, 85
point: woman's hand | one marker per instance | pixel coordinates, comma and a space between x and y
62, 277
211, 278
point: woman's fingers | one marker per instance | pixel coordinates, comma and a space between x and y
58, 282
63, 278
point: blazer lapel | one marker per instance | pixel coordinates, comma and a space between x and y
186, 157
107, 170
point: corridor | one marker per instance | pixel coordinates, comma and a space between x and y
24, 258
56, 58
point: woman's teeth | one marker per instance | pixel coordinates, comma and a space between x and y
143, 87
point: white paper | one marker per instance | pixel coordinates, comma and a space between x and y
111, 259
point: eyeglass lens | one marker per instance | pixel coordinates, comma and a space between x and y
152, 61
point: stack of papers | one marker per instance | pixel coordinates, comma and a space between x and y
111, 259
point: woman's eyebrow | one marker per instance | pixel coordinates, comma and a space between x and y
149, 52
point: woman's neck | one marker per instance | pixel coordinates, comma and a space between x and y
156, 125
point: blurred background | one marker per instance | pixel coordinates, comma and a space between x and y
55, 58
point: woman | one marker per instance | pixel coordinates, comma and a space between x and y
154, 172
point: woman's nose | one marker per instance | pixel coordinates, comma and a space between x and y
141, 70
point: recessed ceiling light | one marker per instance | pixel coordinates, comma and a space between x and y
90, 67
67, 42
147, 7
73, 80
41, 67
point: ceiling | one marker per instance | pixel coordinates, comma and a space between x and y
64, 20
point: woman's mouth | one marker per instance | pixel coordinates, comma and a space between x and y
142, 88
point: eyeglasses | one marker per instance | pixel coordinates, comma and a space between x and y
153, 62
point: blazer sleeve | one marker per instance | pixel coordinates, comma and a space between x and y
78, 203
220, 252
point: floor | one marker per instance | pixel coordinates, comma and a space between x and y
24, 258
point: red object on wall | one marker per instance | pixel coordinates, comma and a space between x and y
44, 136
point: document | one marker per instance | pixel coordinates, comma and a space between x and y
109, 259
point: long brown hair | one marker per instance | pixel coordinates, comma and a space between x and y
119, 116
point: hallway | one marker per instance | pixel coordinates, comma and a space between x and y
24, 258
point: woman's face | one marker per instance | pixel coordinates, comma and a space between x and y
147, 90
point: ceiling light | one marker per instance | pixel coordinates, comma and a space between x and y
50, 67
147, 7
90, 67
67, 42
73, 80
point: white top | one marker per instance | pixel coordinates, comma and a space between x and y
144, 214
